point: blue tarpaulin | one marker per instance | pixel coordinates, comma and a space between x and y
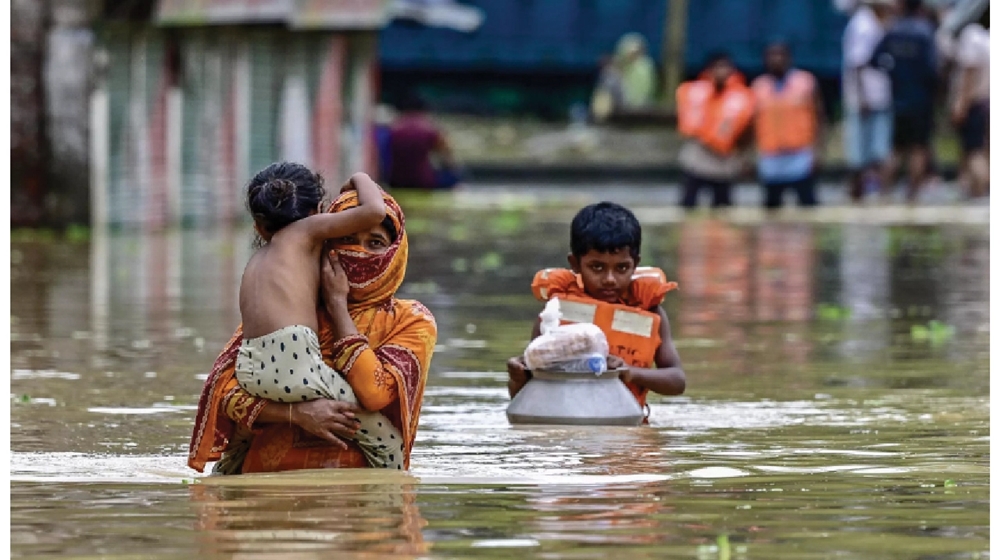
571, 35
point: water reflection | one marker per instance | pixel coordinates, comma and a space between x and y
965, 283
783, 272
308, 521
865, 278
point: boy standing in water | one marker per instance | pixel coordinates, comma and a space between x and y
606, 288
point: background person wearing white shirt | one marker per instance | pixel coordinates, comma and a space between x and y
970, 101
867, 95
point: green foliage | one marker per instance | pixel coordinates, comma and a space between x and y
507, 223
77, 234
832, 312
934, 332
489, 262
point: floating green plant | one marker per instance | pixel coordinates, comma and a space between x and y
489, 262
458, 232
935, 332
831, 312
77, 233
459, 265
417, 225
724, 549
32, 235
507, 223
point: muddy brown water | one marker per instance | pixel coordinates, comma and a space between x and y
837, 402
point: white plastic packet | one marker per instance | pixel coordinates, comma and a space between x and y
578, 347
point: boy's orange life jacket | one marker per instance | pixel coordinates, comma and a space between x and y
631, 327
716, 119
786, 118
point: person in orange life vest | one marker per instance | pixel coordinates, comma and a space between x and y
788, 126
713, 115
604, 242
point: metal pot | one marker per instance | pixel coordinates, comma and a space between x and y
581, 399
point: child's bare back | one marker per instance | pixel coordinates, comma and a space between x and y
280, 284
279, 288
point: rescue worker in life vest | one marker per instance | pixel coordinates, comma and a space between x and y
606, 288
714, 113
788, 127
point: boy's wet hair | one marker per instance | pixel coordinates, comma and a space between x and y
283, 193
605, 227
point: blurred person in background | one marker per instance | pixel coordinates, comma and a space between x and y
788, 127
637, 70
967, 46
382, 131
608, 94
627, 80
908, 53
713, 115
867, 95
414, 140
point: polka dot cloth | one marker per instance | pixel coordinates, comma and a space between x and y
286, 366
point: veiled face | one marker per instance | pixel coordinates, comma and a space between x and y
375, 240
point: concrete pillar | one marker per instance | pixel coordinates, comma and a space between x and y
66, 77
674, 43
27, 146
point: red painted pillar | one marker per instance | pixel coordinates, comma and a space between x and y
328, 111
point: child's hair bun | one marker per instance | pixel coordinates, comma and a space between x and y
277, 191
283, 193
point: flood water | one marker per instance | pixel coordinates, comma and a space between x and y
837, 402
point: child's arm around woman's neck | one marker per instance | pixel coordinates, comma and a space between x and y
369, 213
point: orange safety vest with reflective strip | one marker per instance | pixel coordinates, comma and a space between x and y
632, 331
715, 119
786, 118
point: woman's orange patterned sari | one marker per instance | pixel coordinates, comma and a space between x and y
386, 366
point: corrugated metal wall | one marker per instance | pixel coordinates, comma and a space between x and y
182, 120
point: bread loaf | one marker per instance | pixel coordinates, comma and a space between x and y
565, 343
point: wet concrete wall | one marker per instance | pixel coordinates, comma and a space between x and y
67, 82
50, 86
26, 115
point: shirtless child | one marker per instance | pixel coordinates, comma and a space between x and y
280, 356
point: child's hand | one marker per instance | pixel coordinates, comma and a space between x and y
519, 375
517, 370
614, 362
352, 183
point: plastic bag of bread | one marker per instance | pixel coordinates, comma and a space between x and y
577, 347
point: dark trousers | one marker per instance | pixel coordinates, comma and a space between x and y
446, 178
975, 128
721, 192
804, 188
